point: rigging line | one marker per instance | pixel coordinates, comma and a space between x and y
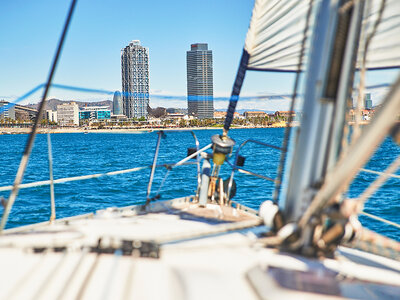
278, 180
378, 182
344, 171
361, 87
31, 139
241, 170
237, 86
153, 168
52, 198
19, 99
168, 97
81, 89
380, 173
346, 129
371, 242
380, 219
345, 7
162, 183
193, 155
85, 177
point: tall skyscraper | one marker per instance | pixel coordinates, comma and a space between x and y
200, 81
368, 101
117, 104
135, 80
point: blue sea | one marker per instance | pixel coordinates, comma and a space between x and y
77, 154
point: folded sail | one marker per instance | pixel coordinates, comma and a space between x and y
276, 32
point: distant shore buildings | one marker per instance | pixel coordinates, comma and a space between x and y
50, 115
11, 111
135, 80
367, 101
199, 65
68, 114
117, 104
222, 115
95, 113
7, 111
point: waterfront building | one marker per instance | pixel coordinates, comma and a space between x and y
68, 114
50, 115
254, 114
95, 113
172, 110
222, 115
368, 101
199, 66
25, 113
135, 80
117, 104
22, 115
7, 110
286, 114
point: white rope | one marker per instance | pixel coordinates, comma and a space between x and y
191, 156
70, 179
380, 219
51, 179
380, 173
361, 87
379, 181
86, 177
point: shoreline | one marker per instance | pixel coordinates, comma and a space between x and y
10, 131
138, 130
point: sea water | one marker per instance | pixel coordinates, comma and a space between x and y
76, 154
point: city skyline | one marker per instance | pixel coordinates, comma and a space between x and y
106, 28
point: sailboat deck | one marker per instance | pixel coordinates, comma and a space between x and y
172, 250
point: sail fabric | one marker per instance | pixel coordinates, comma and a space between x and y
276, 32
384, 49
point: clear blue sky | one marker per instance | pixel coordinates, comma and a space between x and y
100, 29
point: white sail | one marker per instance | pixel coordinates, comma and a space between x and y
384, 49
276, 32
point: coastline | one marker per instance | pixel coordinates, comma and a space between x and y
11, 130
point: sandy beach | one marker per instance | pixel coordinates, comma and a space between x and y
10, 130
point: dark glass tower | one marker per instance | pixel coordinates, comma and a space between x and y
135, 80
368, 101
199, 67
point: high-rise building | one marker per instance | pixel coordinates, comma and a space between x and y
199, 67
135, 80
117, 104
368, 101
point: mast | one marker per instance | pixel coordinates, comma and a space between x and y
327, 88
